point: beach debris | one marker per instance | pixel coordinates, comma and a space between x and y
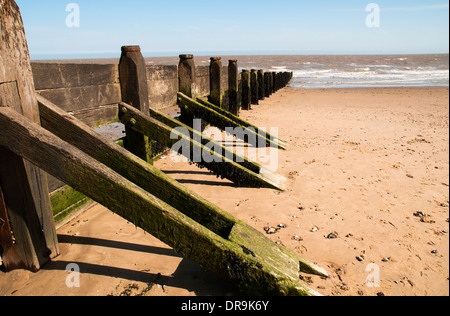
435, 252
271, 230
314, 229
360, 258
424, 218
410, 176
444, 205
332, 236
386, 259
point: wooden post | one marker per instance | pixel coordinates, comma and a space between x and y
277, 81
134, 87
215, 80
246, 90
261, 85
254, 87
233, 87
187, 75
186, 83
272, 74
230, 248
24, 186
267, 81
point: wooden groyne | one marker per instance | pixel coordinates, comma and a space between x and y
41, 138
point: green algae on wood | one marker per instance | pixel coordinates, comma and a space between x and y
221, 165
215, 118
275, 140
131, 167
244, 256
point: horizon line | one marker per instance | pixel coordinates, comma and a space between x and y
152, 54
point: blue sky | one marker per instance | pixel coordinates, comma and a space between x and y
245, 26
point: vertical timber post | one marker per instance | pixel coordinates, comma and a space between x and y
254, 86
233, 87
246, 95
24, 187
134, 87
267, 81
272, 75
186, 83
215, 81
261, 85
187, 75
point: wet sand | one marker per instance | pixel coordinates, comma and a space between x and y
369, 166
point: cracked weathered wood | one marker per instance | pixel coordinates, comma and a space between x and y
244, 256
73, 131
134, 87
24, 186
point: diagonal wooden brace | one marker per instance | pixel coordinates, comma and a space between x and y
221, 165
254, 263
223, 119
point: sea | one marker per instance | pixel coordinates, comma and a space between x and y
332, 71
348, 71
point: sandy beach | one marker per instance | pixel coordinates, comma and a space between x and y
367, 183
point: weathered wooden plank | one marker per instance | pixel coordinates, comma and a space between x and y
6, 237
50, 76
221, 166
281, 144
201, 82
163, 94
98, 116
81, 98
208, 114
276, 274
131, 167
24, 186
162, 85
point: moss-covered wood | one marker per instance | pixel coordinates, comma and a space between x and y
211, 115
221, 166
132, 168
238, 257
280, 143
194, 134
